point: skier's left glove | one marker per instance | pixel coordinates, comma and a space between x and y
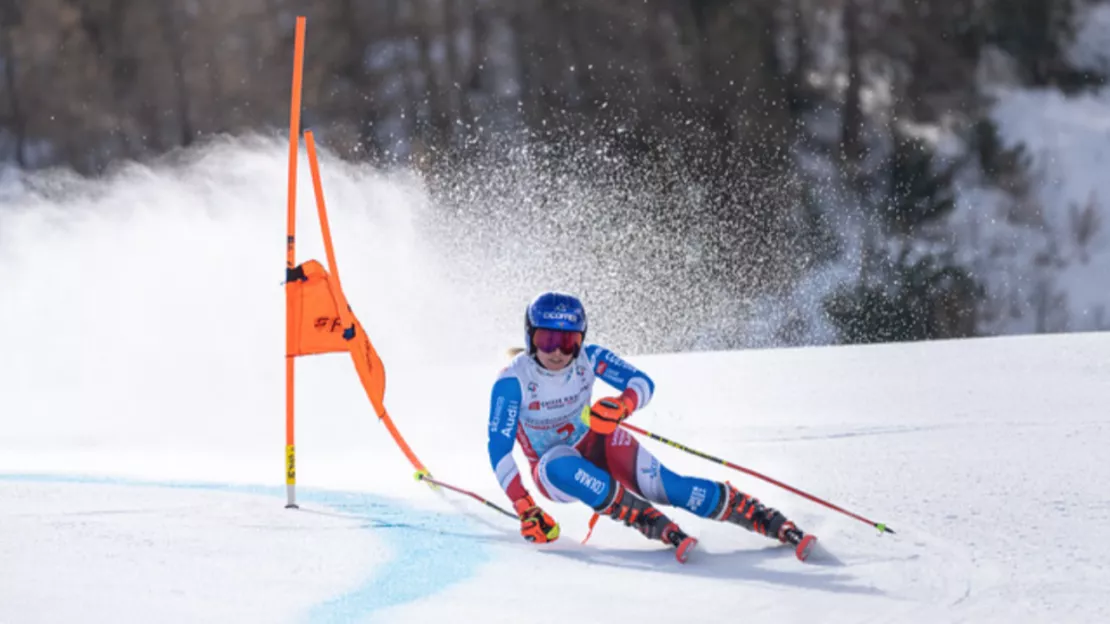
536, 525
605, 414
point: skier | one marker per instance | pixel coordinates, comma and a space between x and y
576, 451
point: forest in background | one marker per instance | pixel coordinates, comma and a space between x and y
751, 130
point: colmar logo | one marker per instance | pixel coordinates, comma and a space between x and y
534, 405
602, 367
593, 484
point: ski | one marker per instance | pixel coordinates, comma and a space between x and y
804, 547
803, 543
682, 542
682, 551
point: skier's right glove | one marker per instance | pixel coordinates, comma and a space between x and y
536, 525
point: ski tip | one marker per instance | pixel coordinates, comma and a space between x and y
805, 547
682, 552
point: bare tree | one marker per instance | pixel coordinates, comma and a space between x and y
852, 119
174, 31
10, 18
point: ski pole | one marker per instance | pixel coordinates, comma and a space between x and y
878, 525
424, 476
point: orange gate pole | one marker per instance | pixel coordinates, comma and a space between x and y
321, 208
376, 389
290, 262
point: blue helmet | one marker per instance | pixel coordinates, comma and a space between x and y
554, 310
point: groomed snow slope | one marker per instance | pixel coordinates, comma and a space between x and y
141, 446
986, 456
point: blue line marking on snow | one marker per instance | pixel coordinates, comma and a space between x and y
427, 559
427, 562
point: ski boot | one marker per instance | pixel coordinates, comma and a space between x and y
746, 511
636, 512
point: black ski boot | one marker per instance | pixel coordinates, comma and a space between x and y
636, 512
746, 511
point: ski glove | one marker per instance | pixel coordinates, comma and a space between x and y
536, 525
604, 416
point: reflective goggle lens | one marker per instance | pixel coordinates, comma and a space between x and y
547, 340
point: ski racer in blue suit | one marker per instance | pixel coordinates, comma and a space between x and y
577, 452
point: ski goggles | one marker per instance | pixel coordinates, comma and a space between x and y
547, 340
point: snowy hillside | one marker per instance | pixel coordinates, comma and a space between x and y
1044, 258
142, 442
1044, 254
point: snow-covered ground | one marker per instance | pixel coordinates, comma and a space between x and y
141, 441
